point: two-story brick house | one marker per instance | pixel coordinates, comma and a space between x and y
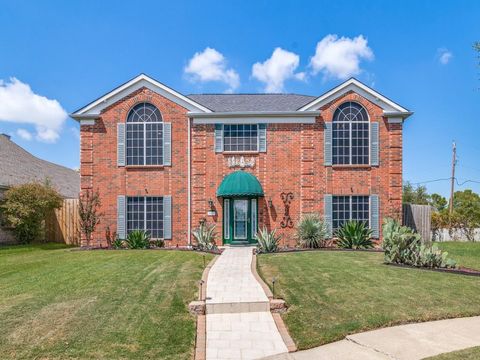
163, 161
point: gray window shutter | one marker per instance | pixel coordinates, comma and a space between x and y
121, 144
327, 153
262, 137
167, 144
121, 223
218, 138
374, 144
374, 216
327, 214
167, 217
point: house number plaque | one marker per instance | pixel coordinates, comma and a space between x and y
287, 200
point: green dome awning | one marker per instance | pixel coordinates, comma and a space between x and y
240, 183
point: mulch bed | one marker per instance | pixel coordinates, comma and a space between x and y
215, 252
294, 250
459, 271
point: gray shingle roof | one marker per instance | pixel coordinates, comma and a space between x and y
252, 102
18, 166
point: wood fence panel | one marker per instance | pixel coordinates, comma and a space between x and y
418, 217
63, 225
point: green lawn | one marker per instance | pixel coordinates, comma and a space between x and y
58, 303
467, 354
332, 294
466, 254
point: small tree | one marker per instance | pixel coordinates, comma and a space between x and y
415, 195
466, 205
25, 208
88, 213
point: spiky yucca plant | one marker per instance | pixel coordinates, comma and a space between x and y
354, 235
267, 240
205, 235
138, 239
312, 231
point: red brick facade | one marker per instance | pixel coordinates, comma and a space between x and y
292, 163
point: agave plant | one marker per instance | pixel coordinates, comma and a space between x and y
138, 239
267, 241
312, 231
354, 235
205, 235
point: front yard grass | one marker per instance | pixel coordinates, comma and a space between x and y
466, 354
466, 254
56, 303
333, 294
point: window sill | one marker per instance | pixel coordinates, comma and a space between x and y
240, 152
352, 166
133, 167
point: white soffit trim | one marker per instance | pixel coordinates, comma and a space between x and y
361, 89
136, 83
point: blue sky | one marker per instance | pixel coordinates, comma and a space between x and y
419, 53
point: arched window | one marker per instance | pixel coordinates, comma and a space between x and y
144, 135
350, 135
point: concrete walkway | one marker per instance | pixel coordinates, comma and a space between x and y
405, 342
239, 322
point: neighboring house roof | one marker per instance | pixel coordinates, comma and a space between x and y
18, 167
252, 102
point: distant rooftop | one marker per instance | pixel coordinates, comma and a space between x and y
252, 102
18, 166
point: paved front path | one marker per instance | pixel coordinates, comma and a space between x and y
239, 322
405, 342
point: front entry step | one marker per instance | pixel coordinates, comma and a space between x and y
237, 307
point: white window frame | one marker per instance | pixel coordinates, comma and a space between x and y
240, 151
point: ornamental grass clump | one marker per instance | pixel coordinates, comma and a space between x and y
205, 235
403, 246
267, 241
138, 239
354, 235
312, 231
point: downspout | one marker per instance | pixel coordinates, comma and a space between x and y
189, 238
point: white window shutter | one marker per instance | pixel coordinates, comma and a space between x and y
167, 144
374, 216
374, 144
327, 152
218, 138
121, 221
262, 137
327, 213
121, 144
167, 217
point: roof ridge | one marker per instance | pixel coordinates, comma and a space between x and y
216, 94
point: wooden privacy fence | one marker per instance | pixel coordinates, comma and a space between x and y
62, 224
418, 217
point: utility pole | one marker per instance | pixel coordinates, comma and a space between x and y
452, 184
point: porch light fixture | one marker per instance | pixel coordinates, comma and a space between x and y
270, 203
210, 204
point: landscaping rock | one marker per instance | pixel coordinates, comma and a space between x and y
197, 308
278, 306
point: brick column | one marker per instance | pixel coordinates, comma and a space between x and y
395, 169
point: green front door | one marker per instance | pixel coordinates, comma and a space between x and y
239, 220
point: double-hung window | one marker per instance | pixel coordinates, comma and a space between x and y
145, 213
350, 135
240, 137
144, 135
345, 208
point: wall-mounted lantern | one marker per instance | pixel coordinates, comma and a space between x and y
270, 203
211, 208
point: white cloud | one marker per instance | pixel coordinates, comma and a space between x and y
340, 57
211, 65
277, 69
24, 134
444, 56
19, 104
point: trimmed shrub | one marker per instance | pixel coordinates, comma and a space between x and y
25, 208
205, 235
138, 239
312, 231
267, 241
403, 246
354, 235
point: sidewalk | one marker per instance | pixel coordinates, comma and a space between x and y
404, 342
239, 322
